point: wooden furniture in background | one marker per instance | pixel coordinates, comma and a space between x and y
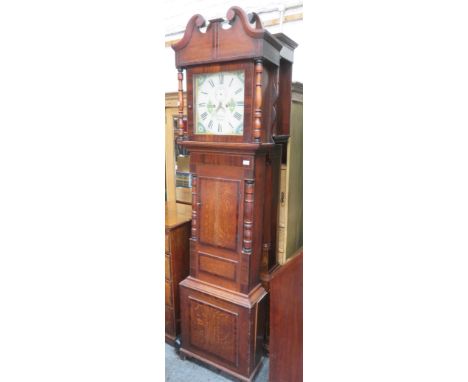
178, 218
177, 164
235, 167
290, 206
286, 321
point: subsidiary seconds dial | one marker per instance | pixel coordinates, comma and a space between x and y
219, 103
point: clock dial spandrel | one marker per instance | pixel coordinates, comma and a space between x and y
219, 103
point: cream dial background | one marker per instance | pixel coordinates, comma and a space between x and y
219, 103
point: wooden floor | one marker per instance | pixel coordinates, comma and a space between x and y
194, 371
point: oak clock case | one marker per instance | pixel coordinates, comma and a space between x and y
235, 187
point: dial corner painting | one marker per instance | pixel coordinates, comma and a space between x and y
219, 103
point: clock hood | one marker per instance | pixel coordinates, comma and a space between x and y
238, 37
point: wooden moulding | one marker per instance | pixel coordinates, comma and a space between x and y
196, 21
227, 147
287, 52
267, 23
239, 40
241, 299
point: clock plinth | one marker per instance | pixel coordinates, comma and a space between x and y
233, 88
223, 328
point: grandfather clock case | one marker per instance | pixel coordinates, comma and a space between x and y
238, 81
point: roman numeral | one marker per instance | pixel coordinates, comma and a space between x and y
221, 78
230, 83
204, 115
238, 90
210, 124
211, 83
237, 115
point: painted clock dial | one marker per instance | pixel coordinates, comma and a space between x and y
219, 103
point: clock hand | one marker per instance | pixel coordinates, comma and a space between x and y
220, 106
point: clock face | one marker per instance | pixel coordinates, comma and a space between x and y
219, 103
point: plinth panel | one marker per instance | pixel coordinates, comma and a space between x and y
214, 330
222, 328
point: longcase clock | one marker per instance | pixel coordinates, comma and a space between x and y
233, 81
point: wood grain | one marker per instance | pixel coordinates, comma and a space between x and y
239, 41
286, 311
217, 266
220, 327
212, 326
176, 264
234, 195
219, 200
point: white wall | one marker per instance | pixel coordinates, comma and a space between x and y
179, 12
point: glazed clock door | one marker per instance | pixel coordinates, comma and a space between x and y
219, 103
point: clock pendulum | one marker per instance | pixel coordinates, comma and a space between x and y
238, 90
